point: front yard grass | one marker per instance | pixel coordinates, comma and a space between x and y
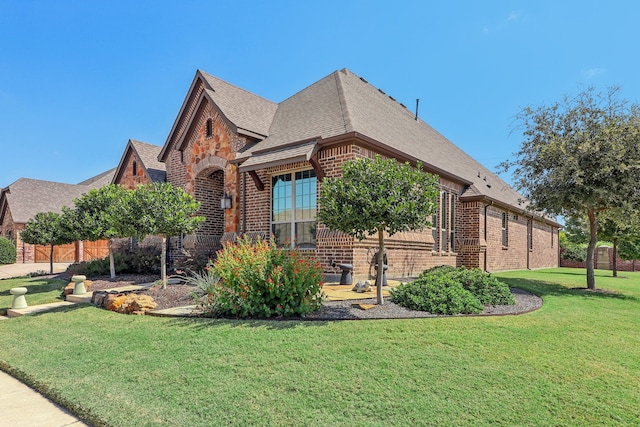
574, 362
39, 291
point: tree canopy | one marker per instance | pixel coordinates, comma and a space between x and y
377, 196
47, 229
101, 214
164, 210
579, 156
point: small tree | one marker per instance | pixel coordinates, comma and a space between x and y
629, 249
579, 157
47, 228
164, 210
100, 214
617, 225
378, 196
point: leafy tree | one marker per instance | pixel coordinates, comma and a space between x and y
580, 156
100, 214
7, 251
576, 228
378, 196
164, 210
47, 228
616, 225
629, 249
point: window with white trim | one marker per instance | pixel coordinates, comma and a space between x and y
293, 208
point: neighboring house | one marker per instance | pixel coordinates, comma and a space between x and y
257, 167
22, 200
139, 165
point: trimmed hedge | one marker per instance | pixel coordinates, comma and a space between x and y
7, 251
449, 290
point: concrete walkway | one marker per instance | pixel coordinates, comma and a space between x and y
8, 271
20, 405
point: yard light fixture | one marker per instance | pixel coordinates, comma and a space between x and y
225, 201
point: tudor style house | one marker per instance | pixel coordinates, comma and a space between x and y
257, 167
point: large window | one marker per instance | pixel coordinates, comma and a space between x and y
293, 208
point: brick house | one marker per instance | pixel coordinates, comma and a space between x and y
22, 200
139, 165
257, 167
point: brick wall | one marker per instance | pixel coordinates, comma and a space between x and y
133, 173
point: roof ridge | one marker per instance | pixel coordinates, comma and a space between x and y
235, 86
348, 125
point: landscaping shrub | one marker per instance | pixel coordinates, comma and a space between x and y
7, 251
449, 290
141, 260
258, 279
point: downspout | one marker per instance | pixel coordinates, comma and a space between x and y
486, 247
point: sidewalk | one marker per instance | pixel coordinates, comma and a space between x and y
8, 271
22, 406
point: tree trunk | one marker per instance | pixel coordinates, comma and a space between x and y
380, 266
112, 262
51, 260
163, 263
615, 257
591, 248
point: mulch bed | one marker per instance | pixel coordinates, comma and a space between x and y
178, 295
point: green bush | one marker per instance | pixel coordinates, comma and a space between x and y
142, 260
574, 252
7, 251
449, 290
258, 279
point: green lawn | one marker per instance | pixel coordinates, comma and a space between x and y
574, 362
39, 291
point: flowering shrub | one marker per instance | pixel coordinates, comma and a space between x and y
258, 279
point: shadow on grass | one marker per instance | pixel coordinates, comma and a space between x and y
542, 289
198, 323
37, 288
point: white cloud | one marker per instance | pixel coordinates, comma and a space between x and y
592, 72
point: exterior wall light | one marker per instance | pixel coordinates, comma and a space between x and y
225, 201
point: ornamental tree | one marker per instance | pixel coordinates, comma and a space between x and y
100, 214
47, 229
579, 156
377, 196
164, 210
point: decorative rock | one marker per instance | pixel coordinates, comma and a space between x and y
19, 301
79, 288
362, 286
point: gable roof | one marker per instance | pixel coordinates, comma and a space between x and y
148, 155
343, 104
26, 197
339, 108
246, 112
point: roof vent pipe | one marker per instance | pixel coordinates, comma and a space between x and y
417, 103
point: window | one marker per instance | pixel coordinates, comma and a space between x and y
552, 237
209, 128
505, 229
135, 169
530, 234
452, 224
444, 216
293, 208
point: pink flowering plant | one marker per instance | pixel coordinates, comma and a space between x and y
258, 279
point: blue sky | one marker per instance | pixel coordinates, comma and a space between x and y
80, 78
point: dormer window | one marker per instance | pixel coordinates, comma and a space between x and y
209, 129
